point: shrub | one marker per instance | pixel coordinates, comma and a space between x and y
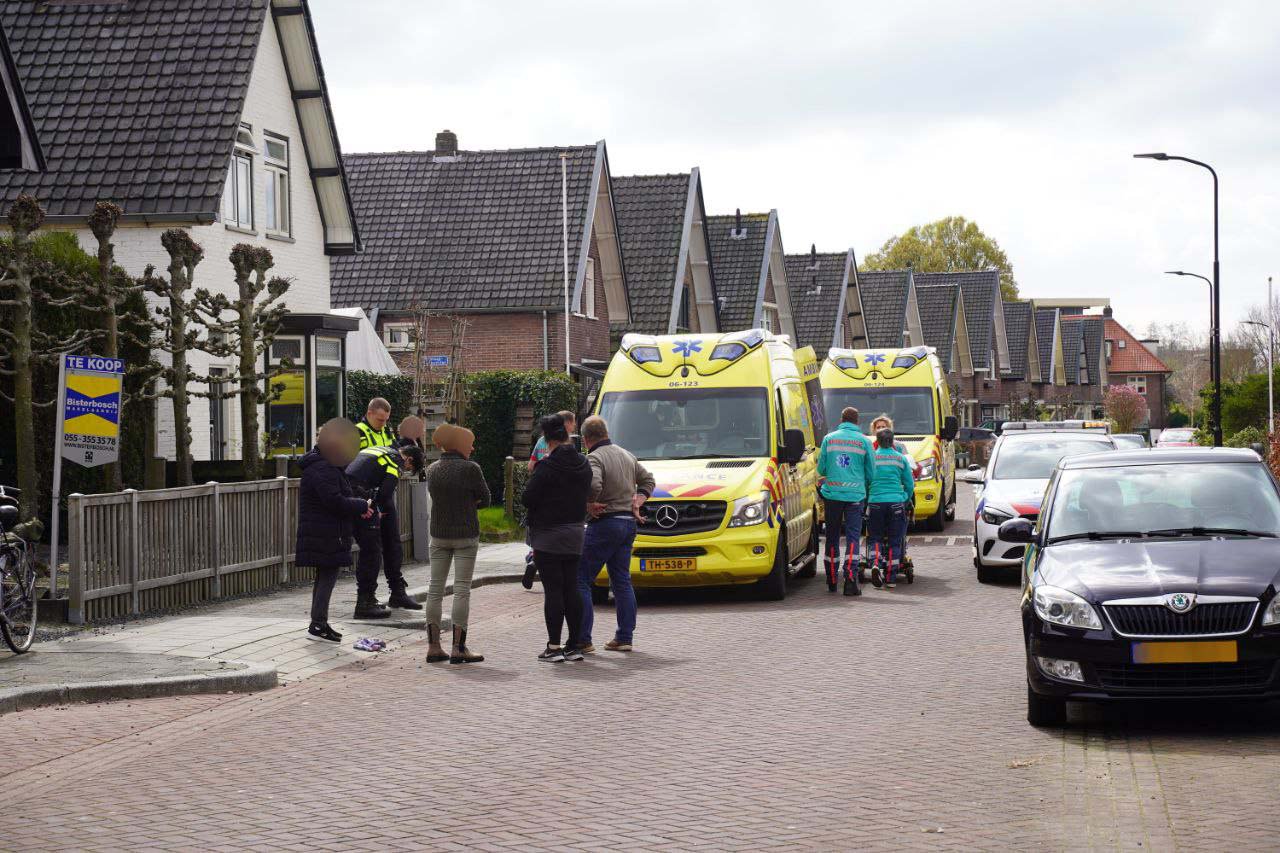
363, 386
492, 397
1246, 437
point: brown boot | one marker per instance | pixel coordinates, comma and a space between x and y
435, 652
461, 654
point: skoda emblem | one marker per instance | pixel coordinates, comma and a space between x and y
667, 516
1180, 602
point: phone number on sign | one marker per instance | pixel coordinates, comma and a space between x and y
87, 441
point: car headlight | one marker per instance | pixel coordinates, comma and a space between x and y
928, 469
1062, 607
995, 516
748, 511
1271, 616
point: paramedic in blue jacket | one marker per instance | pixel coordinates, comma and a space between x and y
891, 488
845, 468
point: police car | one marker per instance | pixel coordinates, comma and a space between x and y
1013, 483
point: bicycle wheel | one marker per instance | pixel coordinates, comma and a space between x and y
18, 594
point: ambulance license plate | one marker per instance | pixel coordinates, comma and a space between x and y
1216, 651
672, 564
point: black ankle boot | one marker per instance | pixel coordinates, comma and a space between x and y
369, 608
400, 599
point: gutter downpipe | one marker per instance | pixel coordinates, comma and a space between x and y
546, 346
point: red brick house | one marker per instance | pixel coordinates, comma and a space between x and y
476, 236
1130, 362
982, 394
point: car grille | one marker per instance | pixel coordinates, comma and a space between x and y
732, 463
660, 553
1185, 677
1156, 620
691, 517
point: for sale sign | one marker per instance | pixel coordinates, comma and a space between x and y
90, 415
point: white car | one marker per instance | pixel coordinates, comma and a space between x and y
1013, 485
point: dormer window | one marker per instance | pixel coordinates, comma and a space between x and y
237, 198
275, 157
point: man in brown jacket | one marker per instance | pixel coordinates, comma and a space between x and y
619, 487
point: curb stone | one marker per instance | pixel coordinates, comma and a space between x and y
247, 677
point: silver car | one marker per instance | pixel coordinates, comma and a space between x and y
1013, 484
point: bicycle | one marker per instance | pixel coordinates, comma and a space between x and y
18, 608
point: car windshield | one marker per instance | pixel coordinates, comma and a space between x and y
1181, 499
1128, 441
1032, 457
1177, 435
689, 423
910, 408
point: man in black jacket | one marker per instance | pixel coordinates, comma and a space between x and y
556, 496
376, 474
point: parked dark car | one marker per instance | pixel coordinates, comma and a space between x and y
1152, 575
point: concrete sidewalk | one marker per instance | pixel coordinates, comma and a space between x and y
257, 640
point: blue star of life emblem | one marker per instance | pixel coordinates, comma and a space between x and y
843, 460
686, 348
874, 357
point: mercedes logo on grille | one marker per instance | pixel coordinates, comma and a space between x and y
1180, 602
667, 516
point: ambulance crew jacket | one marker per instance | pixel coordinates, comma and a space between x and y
846, 464
892, 482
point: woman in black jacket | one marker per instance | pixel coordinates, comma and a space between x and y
556, 496
327, 510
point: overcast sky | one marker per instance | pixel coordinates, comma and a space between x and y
858, 120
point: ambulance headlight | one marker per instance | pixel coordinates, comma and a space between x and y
642, 355
928, 469
749, 511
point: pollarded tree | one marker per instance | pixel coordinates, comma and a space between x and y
178, 335
27, 282
247, 334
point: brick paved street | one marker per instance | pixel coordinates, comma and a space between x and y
890, 721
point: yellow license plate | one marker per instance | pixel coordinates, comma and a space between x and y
674, 564
1216, 651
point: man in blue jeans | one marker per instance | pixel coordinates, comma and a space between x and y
619, 487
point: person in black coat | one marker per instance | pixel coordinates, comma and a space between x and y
556, 497
327, 512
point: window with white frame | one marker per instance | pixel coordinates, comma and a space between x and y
589, 293
237, 198
275, 158
769, 317
1138, 383
397, 337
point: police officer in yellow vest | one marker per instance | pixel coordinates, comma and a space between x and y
375, 431
375, 473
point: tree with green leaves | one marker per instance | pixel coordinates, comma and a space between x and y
29, 282
953, 244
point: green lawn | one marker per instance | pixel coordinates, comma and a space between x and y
494, 524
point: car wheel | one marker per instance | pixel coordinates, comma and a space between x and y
935, 523
773, 586
1045, 711
950, 509
986, 574
599, 595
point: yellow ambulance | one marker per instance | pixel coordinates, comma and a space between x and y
910, 387
723, 421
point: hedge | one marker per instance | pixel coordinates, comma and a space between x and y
492, 397
363, 386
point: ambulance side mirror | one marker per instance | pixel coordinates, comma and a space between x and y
950, 426
792, 447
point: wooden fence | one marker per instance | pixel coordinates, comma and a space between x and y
135, 551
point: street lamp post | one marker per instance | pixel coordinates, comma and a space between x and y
1215, 340
1213, 322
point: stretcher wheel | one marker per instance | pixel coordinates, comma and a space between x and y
911, 575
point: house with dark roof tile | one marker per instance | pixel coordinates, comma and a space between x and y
1131, 362
209, 115
750, 273
1024, 378
1092, 361
1053, 372
19, 142
891, 311
982, 396
478, 237
942, 321
667, 253
824, 297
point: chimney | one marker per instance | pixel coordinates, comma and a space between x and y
1106, 311
446, 143
737, 232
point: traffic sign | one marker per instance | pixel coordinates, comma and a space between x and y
438, 360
